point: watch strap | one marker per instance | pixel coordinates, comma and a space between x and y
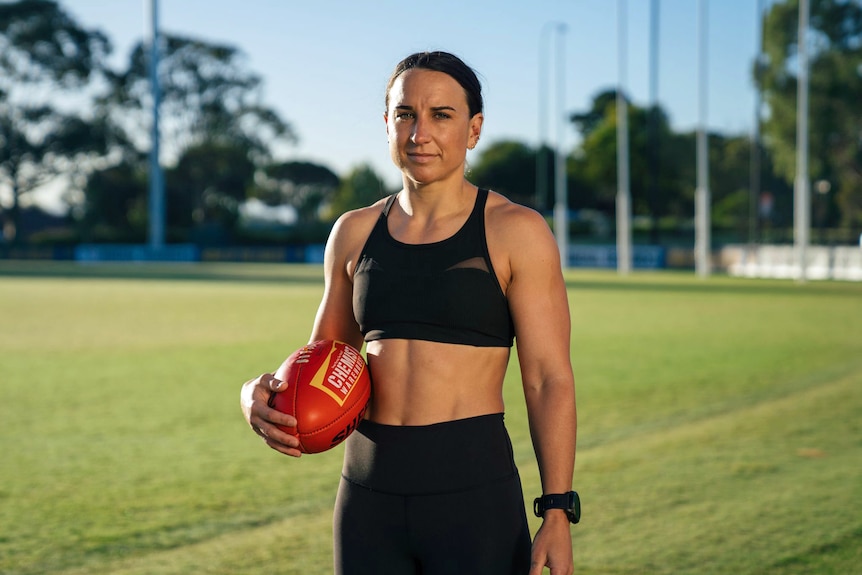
569, 502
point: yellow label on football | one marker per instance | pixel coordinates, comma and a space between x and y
347, 366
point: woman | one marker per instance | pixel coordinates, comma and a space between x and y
437, 280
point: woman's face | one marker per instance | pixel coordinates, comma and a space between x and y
429, 126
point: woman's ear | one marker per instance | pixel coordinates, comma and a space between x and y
386, 121
475, 130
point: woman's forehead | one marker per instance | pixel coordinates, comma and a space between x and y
426, 86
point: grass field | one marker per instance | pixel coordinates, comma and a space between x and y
720, 423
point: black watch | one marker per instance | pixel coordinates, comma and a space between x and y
568, 502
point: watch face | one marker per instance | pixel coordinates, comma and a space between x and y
574, 512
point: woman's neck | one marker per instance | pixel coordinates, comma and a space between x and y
438, 199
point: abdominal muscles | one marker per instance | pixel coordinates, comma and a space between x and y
422, 382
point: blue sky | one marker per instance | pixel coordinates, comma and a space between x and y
325, 63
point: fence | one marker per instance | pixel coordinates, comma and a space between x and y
192, 253
822, 263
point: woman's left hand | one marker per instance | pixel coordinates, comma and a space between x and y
552, 546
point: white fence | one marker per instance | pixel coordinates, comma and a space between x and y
822, 263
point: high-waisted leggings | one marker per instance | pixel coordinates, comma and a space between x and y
431, 500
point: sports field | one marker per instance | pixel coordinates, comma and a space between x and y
720, 423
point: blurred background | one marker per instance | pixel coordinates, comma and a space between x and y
270, 122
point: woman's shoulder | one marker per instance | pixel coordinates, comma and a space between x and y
504, 214
360, 218
368, 212
518, 231
353, 227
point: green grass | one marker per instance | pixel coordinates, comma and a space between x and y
720, 423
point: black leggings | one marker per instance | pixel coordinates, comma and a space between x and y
432, 499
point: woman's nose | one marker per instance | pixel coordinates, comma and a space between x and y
421, 131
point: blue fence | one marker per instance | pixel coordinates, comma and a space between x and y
580, 256
605, 256
192, 253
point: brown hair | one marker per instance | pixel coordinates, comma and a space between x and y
448, 64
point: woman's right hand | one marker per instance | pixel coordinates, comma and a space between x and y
254, 401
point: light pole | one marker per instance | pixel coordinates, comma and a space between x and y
654, 125
542, 92
561, 223
624, 232
561, 195
802, 209
702, 239
754, 191
157, 184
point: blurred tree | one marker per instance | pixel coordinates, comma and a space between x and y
304, 186
835, 93
361, 187
595, 157
207, 186
730, 180
213, 124
509, 168
204, 191
115, 205
602, 105
208, 95
595, 163
45, 60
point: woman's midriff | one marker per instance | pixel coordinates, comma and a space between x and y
421, 382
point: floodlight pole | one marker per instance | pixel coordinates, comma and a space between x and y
653, 123
541, 163
702, 218
754, 176
157, 184
802, 209
561, 195
624, 233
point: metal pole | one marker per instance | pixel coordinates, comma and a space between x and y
541, 163
702, 196
624, 233
754, 191
561, 207
653, 125
802, 211
157, 185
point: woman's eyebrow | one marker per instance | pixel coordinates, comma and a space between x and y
433, 108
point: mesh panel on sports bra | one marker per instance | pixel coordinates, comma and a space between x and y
472, 263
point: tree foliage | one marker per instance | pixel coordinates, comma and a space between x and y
207, 92
115, 205
44, 56
596, 159
63, 111
361, 187
217, 131
305, 186
835, 93
508, 167
208, 184
41, 42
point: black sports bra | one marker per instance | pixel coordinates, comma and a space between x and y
444, 291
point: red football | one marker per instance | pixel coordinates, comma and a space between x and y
328, 388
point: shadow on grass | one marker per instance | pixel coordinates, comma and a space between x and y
841, 556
